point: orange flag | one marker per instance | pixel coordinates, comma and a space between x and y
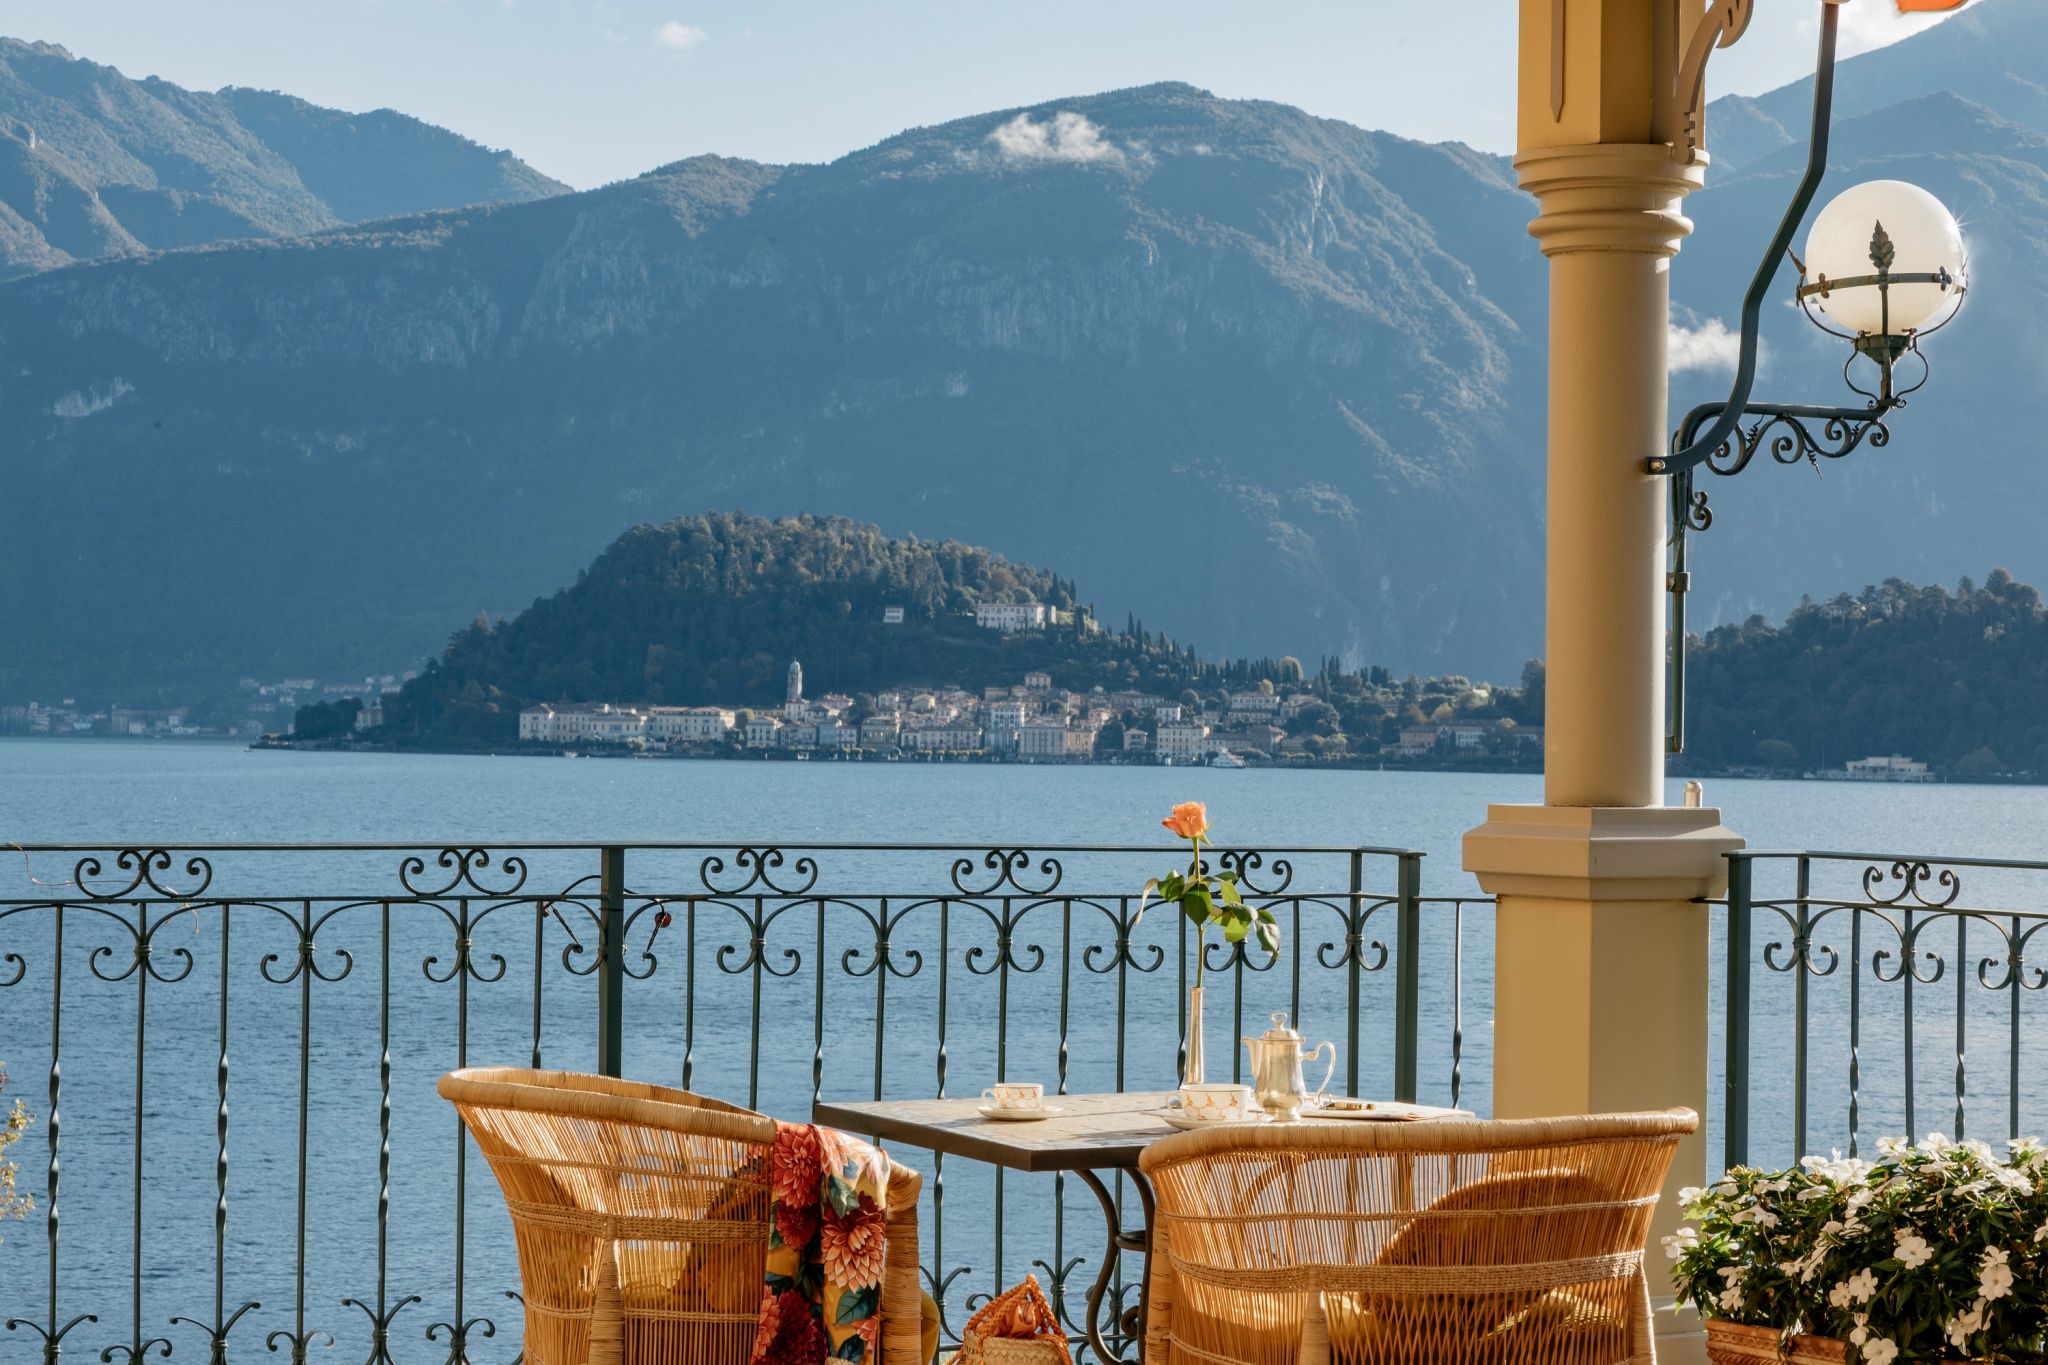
1927, 6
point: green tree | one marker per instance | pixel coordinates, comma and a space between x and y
1979, 762
1776, 753
326, 719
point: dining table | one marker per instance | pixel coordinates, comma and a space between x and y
1093, 1137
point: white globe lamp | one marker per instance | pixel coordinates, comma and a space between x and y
1885, 259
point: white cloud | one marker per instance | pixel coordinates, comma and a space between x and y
679, 37
1065, 137
1710, 346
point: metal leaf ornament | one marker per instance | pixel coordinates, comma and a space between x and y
1882, 252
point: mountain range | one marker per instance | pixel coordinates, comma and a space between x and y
93, 164
1273, 382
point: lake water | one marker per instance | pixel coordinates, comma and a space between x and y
753, 1032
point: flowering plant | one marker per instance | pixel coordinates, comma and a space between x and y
1207, 899
14, 1122
1937, 1251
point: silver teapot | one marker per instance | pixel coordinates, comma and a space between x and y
1277, 1082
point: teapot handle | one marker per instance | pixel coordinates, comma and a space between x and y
1330, 1070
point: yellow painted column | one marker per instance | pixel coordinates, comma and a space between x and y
1601, 947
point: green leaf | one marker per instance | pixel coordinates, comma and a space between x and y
1266, 916
1195, 903
1235, 929
1171, 886
853, 1348
1269, 936
1230, 892
856, 1304
842, 1194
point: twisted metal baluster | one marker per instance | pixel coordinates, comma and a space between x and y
1855, 1026
1457, 1000
382, 1314
53, 1335
217, 1331
1962, 1018
1801, 953
689, 990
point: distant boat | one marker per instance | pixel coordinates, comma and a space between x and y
1226, 759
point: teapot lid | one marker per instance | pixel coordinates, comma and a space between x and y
1280, 1033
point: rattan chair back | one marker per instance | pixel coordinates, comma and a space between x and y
1480, 1243
641, 1215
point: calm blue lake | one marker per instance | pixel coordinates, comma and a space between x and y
750, 1033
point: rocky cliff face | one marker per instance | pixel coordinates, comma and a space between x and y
94, 164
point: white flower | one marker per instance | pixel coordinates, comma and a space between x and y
1935, 1144
1862, 1286
1838, 1297
1912, 1250
1893, 1146
1862, 1332
1690, 1195
1994, 1278
2041, 1233
1963, 1326
1979, 1149
2026, 1147
1680, 1242
2012, 1179
1773, 1186
1731, 1299
1878, 1351
1813, 1192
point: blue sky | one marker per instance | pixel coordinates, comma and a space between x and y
596, 90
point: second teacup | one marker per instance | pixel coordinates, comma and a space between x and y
1015, 1095
1217, 1103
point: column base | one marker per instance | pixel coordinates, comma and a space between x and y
1600, 971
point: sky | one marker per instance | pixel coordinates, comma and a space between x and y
591, 91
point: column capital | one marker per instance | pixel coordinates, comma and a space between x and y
1609, 196
1593, 854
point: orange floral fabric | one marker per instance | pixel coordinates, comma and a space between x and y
821, 1296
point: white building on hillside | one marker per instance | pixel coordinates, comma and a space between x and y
1010, 616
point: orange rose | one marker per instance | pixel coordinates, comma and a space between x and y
1190, 820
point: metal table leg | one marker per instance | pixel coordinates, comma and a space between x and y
1119, 1240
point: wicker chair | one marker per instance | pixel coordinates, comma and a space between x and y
1474, 1243
641, 1216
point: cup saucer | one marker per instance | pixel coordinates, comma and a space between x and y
1043, 1111
1177, 1118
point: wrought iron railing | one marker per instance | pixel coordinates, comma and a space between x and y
291, 1007
1871, 974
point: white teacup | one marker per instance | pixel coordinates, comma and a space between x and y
1217, 1103
1015, 1095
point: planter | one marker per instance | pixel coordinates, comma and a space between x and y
1735, 1343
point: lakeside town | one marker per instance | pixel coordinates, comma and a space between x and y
1032, 721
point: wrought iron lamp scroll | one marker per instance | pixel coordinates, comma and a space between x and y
1884, 268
